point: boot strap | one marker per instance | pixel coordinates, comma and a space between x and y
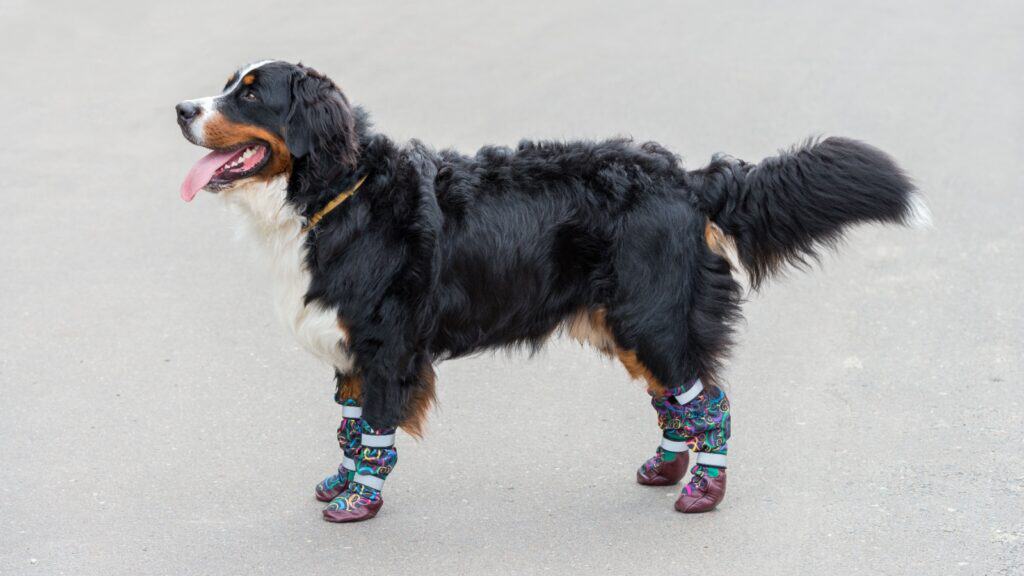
690, 394
674, 445
369, 481
351, 412
378, 441
348, 464
711, 459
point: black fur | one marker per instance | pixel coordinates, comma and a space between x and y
441, 254
321, 134
783, 210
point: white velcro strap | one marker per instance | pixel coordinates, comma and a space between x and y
370, 481
709, 459
351, 412
374, 441
674, 445
348, 464
690, 394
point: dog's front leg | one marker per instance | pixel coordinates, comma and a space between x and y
375, 459
395, 387
370, 455
349, 437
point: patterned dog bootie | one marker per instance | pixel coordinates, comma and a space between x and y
334, 485
706, 487
377, 457
694, 417
356, 504
667, 467
349, 440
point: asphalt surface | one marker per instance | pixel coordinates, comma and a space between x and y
155, 420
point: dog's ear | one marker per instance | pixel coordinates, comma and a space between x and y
320, 122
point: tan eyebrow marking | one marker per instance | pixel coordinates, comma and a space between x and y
249, 79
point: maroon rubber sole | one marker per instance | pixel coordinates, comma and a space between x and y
357, 515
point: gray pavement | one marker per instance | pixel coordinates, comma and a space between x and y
155, 420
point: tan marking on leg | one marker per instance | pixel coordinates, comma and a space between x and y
350, 387
637, 370
590, 327
419, 405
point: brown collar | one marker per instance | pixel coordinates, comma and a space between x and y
332, 205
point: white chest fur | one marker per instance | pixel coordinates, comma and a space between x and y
272, 224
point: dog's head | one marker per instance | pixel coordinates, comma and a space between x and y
269, 116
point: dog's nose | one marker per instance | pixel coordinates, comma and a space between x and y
186, 112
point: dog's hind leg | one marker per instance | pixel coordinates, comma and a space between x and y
695, 418
671, 322
668, 465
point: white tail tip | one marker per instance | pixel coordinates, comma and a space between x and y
919, 215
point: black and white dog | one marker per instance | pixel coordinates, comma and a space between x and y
388, 258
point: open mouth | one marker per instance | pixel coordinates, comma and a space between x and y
218, 169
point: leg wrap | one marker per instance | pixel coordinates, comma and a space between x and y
694, 417
377, 457
349, 440
349, 435
704, 424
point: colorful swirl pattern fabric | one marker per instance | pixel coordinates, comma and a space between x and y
356, 496
704, 423
349, 435
333, 485
349, 438
377, 462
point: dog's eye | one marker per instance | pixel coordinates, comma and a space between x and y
250, 95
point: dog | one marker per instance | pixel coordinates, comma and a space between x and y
388, 258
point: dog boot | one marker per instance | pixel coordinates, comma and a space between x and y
668, 466
377, 457
348, 439
358, 503
706, 487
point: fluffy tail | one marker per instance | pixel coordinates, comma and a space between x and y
788, 208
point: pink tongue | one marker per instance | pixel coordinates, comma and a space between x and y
202, 172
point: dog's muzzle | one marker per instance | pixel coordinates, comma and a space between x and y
187, 111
